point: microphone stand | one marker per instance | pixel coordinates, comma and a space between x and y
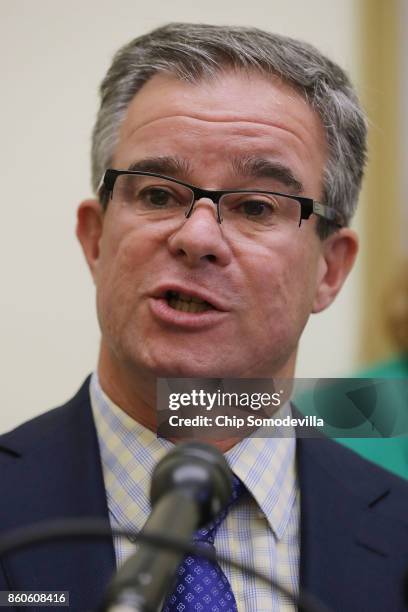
96, 529
143, 581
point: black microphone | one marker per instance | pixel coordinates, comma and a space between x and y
189, 488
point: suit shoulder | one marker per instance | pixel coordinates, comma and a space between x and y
29, 435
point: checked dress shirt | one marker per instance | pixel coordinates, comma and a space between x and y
262, 528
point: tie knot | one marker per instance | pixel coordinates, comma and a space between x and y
207, 533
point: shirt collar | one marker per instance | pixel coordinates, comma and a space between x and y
129, 452
267, 467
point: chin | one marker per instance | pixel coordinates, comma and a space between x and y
186, 370
190, 369
186, 367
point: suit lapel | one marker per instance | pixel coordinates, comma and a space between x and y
59, 477
345, 544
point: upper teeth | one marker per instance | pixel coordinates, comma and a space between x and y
185, 297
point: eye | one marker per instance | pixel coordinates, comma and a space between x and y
157, 197
257, 209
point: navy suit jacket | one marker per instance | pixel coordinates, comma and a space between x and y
354, 516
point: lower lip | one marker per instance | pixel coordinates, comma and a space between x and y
186, 320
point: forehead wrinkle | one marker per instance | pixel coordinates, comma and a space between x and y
239, 123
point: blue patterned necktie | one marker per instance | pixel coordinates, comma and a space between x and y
202, 586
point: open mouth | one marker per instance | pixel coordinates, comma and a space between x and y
186, 303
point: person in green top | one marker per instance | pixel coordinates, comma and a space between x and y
390, 453
389, 396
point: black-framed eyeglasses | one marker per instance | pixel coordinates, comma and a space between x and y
161, 198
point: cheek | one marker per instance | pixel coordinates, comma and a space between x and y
281, 284
123, 262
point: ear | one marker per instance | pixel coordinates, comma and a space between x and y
89, 231
336, 260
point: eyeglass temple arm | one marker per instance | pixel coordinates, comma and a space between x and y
321, 210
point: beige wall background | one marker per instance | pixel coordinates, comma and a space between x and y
53, 55
403, 36
383, 79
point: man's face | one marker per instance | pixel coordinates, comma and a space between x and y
264, 288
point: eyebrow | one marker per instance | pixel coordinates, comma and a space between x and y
168, 165
260, 167
248, 166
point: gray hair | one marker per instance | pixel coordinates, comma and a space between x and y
193, 52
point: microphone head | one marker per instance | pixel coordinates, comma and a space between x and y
198, 469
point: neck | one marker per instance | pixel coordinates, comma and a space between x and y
135, 394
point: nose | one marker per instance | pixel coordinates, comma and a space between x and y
199, 239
